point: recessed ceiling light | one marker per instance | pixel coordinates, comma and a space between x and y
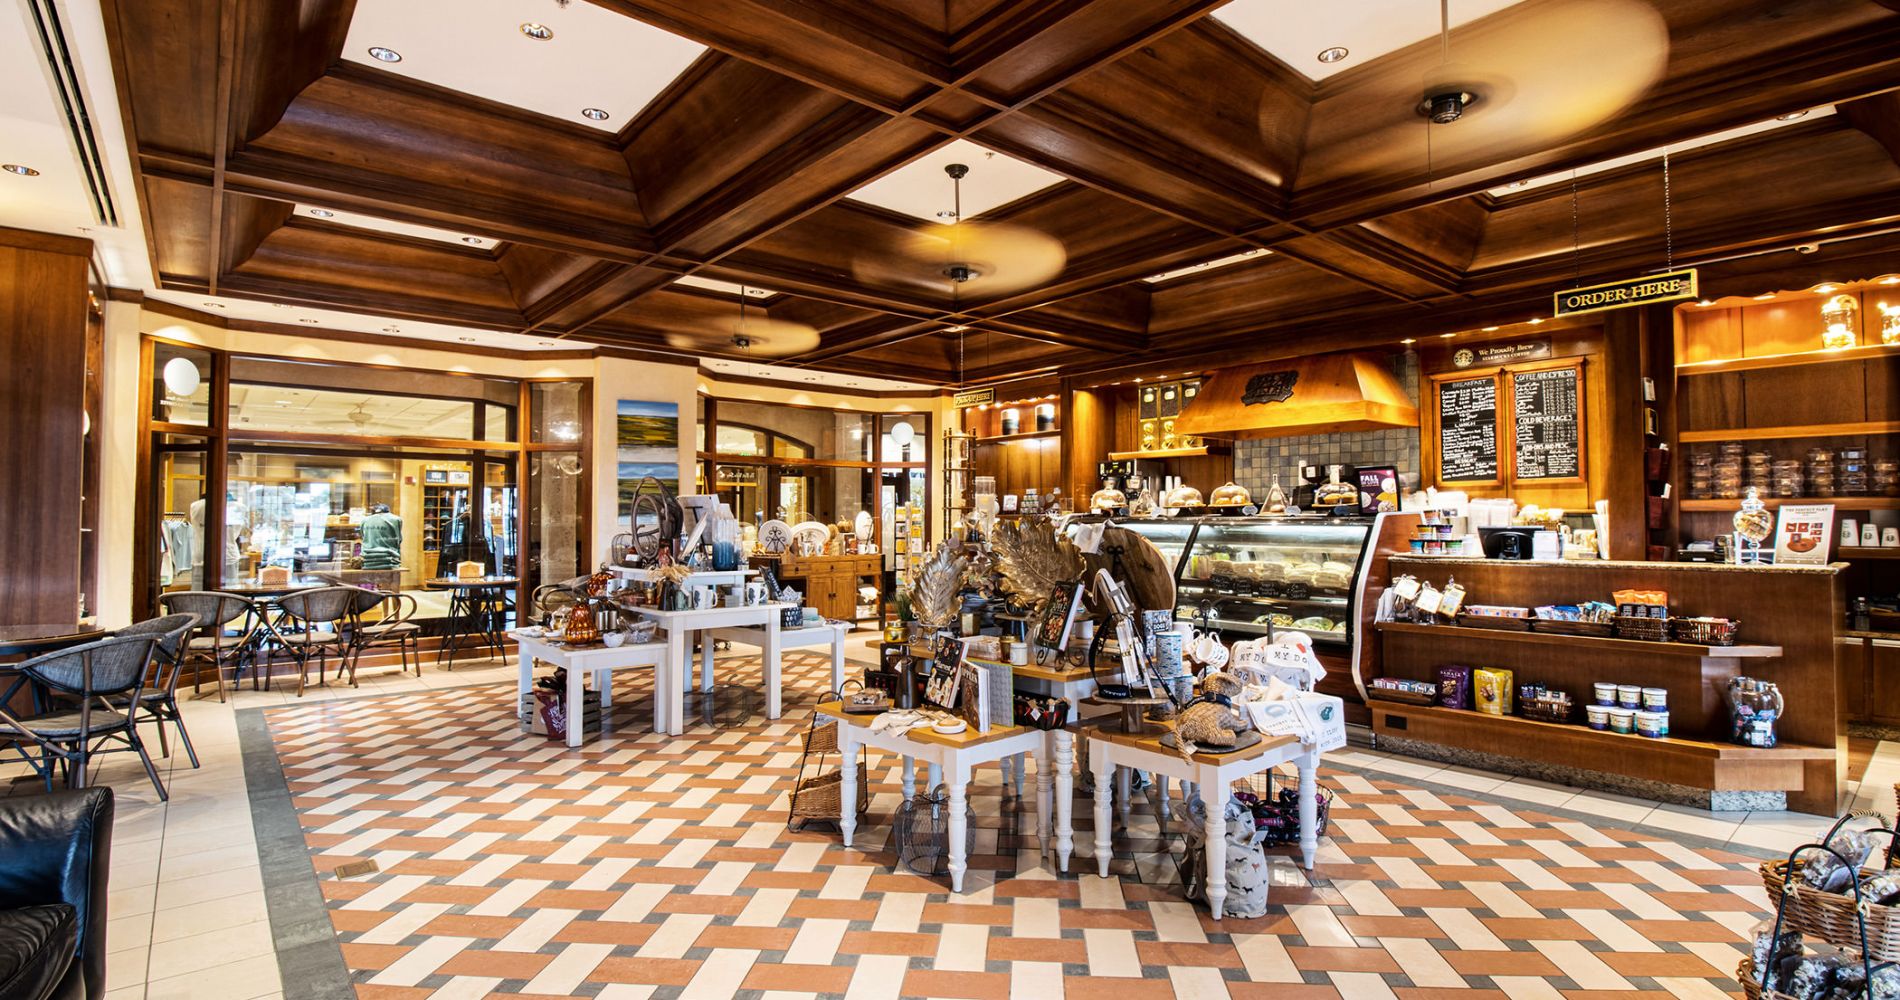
305, 319
22, 170
1764, 296
757, 292
1446, 336
466, 340
1514, 185
537, 31
594, 114
381, 54
215, 305
1334, 54
323, 213
1409, 340
472, 240
1536, 320
550, 343
1490, 329
1792, 115
392, 329
278, 305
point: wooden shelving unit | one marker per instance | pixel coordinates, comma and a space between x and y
1853, 553
1194, 452
1840, 503
1788, 360
1586, 642
1020, 436
1858, 429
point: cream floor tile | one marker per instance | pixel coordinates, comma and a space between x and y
249, 979
210, 950
126, 967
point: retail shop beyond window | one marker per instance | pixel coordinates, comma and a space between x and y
356, 474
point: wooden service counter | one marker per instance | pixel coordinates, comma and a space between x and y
1788, 619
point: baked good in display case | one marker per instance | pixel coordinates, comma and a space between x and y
1230, 497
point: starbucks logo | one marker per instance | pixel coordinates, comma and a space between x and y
1464, 357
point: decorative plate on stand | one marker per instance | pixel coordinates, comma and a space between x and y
861, 526
775, 536
815, 532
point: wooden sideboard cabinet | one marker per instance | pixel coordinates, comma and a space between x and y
830, 583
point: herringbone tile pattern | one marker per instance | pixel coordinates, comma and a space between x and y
644, 866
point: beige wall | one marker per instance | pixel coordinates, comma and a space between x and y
614, 379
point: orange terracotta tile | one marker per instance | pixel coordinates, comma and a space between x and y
752, 938
496, 964
1499, 963
1343, 959
958, 913
887, 943
1537, 929
1664, 964
833, 909
972, 985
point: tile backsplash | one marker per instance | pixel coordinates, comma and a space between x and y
1256, 462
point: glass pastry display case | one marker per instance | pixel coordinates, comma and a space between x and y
1244, 574
1170, 535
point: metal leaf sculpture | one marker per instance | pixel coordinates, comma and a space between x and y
933, 597
1031, 558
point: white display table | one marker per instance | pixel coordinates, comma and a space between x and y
601, 661
1215, 774
827, 634
680, 628
956, 755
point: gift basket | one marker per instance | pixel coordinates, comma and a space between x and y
1835, 931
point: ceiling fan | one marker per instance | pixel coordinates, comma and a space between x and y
746, 335
358, 416
990, 257
1542, 74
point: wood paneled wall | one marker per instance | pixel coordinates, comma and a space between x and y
42, 403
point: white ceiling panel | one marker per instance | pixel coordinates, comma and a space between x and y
595, 58
922, 190
1296, 32
317, 320
1657, 153
357, 221
728, 287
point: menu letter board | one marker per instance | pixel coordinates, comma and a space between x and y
1468, 430
1547, 431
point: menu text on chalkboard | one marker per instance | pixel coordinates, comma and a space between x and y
1468, 429
1546, 428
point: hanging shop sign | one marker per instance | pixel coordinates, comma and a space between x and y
975, 397
1501, 354
1666, 287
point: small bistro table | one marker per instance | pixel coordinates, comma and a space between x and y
1214, 774
955, 754
601, 661
682, 626
28, 641
477, 601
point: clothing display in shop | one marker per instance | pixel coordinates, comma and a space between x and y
235, 517
467, 541
178, 546
382, 539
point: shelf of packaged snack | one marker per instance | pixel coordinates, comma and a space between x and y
1840, 503
1582, 641
1533, 733
1780, 433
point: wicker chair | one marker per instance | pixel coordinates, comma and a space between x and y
317, 623
158, 704
394, 626
214, 642
69, 737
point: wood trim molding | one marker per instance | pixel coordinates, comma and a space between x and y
27, 239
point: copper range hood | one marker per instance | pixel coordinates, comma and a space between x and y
1314, 395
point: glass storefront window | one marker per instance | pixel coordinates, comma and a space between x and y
181, 384
178, 489
559, 549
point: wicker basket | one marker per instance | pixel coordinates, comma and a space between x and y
1501, 623
1558, 626
1400, 696
1712, 632
818, 796
1830, 916
1750, 979
1641, 627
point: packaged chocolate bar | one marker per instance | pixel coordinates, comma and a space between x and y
1491, 690
1454, 687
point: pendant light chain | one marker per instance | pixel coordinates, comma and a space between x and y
1669, 228
1576, 233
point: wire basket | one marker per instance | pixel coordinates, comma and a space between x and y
1705, 631
922, 832
1642, 627
1558, 626
1750, 978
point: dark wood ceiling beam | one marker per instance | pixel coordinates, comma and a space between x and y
1878, 116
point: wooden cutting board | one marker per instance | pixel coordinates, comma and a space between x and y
1146, 573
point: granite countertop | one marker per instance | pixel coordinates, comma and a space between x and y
1665, 567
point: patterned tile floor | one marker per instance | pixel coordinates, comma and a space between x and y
641, 866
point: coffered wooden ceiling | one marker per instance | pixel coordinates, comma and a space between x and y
1178, 142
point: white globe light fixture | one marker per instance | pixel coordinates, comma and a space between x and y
181, 377
902, 433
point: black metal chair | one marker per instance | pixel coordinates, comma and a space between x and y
71, 735
392, 624
209, 643
159, 702
317, 623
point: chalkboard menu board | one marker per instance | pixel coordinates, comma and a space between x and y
1468, 429
1547, 431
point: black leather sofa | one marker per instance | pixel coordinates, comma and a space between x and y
55, 855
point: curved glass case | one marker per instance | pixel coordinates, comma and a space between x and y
1244, 575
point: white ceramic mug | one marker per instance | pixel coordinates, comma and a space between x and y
1209, 650
705, 598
